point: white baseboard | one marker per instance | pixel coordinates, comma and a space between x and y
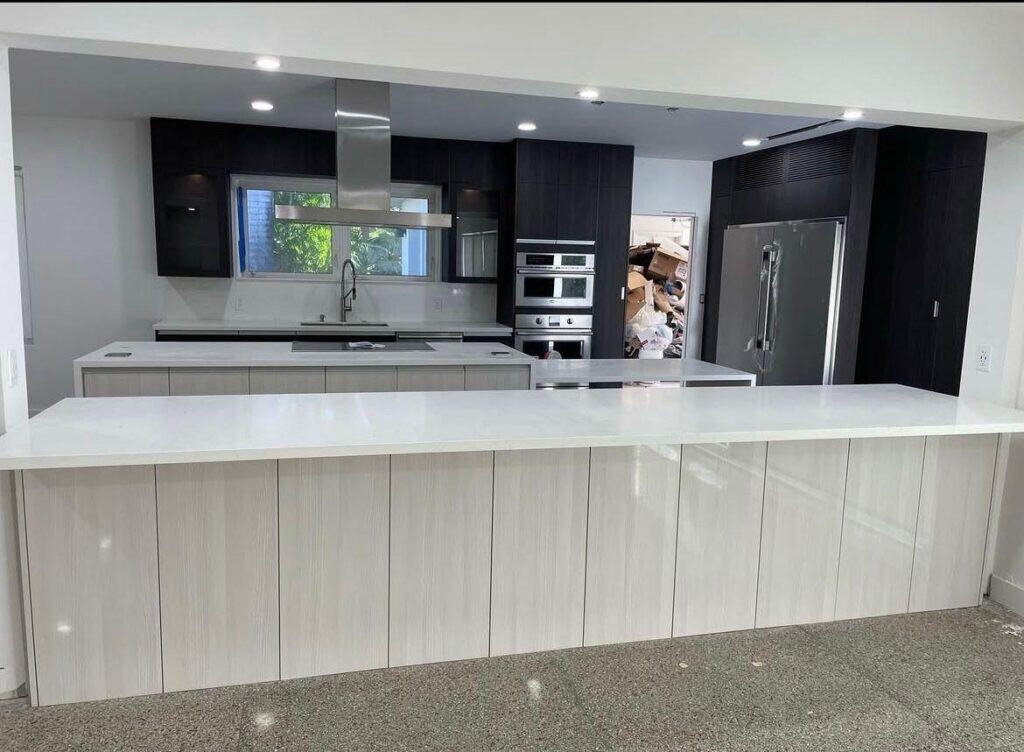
1007, 594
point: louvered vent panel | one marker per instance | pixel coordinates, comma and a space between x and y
760, 169
815, 159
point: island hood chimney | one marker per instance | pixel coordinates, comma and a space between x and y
362, 123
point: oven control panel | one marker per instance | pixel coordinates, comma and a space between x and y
554, 321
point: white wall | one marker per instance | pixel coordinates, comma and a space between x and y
92, 259
683, 186
902, 61
13, 402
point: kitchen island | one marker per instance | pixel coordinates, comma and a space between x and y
311, 534
680, 371
290, 327
139, 369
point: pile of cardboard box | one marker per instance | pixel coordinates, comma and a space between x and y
656, 300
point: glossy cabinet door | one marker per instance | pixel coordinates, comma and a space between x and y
883, 485
362, 379
720, 499
952, 522
197, 381
497, 377
800, 531
92, 564
431, 378
631, 543
125, 382
217, 523
440, 556
334, 565
540, 541
286, 380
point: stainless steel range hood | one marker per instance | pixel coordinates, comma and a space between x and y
362, 121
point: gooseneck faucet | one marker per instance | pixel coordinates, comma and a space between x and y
347, 298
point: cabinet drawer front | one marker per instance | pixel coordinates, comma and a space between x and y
206, 381
362, 379
125, 382
286, 380
497, 377
431, 379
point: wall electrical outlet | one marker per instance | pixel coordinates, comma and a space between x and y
438, 304
983, 359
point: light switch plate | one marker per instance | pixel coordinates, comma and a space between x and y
983, 359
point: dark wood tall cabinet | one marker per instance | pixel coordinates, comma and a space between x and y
927, 195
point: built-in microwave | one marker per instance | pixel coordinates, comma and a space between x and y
536, 289
553, 260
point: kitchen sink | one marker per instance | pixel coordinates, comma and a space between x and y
344, 323
405, 346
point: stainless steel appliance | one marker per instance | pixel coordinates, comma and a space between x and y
546, 258
779, 302
542, 335
550, 276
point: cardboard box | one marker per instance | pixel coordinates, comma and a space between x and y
635, 300
634, 280
665, 263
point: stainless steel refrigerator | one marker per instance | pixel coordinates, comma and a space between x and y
779, 301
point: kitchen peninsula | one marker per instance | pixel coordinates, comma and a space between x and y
312, 534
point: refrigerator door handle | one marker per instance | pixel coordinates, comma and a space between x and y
764, 301
769, 308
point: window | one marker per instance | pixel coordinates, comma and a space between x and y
270, 249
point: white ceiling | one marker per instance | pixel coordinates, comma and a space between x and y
88, 86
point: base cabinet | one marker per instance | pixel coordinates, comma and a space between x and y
800, 532
720, 496
952, 522
440, 556
125, 382
94, 600
218, 573
334, 565
145, 579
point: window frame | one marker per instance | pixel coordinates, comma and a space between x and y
340, 251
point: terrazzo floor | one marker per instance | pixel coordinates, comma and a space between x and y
949, 680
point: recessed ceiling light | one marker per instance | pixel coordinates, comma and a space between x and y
752, 142
268, 63
262, 105
588, 92
526, 125
853, 114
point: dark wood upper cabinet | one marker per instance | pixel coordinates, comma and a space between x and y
536, 211
419, 160
579, 164
577, 212
191, 224
616, 166
538, 161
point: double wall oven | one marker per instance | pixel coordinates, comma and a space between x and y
554, 298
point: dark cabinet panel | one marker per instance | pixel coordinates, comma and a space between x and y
579, 164
191, 224
616, 166
827, 196
611, 258
721, 177
537, 161
480, 164
419, 160
718, 220
577, 212
536, 211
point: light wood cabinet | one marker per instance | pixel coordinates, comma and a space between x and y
94, 592
440, 556
196, 381
721, 493
883, 486
631, 543
952, 521
431, 378
334, 565
362, 379
540, 539
497, 377
218, 573
286, 381
125, 382
800, 532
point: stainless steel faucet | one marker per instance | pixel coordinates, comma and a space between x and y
347, 298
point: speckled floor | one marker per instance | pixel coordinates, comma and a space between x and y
951, 680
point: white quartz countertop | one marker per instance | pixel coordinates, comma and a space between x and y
151, 430
280, 355
611, 370
470, 328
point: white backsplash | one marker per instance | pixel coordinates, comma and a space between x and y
196, 298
